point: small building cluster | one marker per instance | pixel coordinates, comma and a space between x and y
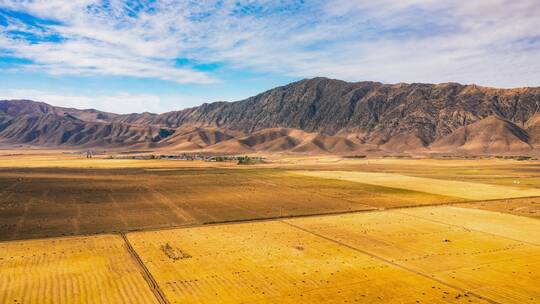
195, 157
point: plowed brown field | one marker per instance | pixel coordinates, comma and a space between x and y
45, 202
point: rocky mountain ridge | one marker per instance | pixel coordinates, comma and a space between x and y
332, 115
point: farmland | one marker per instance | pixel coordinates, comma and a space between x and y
51, 194
465, 190
292, 230
96, 269
273, 262
48, 194
481, 255
414, 255
46, 202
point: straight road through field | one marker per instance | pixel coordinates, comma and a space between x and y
160, 296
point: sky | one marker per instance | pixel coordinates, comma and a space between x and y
157, 56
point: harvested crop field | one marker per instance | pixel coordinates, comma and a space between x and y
414, 255
273, 262
45, 202
465, 190
96, 269
529, 207
494, 255
165, 224
508, 226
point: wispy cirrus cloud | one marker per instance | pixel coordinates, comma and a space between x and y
94, 38
494, 42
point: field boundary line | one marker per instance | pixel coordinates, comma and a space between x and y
147, 275
392, 263
467, 228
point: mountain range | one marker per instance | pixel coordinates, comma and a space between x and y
311, 116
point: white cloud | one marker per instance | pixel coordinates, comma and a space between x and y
490, 42
99, 44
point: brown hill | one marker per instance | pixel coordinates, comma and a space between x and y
317, 115
404, 143
287, 140
487, 136
532, 126
195, 138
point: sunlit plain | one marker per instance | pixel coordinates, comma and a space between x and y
320, 229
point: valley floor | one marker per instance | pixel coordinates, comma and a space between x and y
418, 255
294, 229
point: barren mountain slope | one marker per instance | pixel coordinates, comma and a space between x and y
489, 135
52, 130
377, 111
317, 115
532, 126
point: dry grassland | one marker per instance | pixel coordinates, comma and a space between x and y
465, 190
464, 248
95, 269
273, 262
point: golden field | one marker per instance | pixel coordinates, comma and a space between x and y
273, 262
96, 269
313, 229
413, 255
465, 190
529, 207
493, 255
525, 230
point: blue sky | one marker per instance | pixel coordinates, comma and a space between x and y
151, 55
